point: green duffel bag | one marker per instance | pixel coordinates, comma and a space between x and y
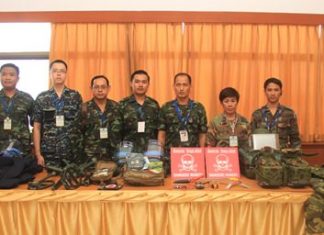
314, 208
297, 172
268, 170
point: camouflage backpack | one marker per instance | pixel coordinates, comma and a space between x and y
268, 170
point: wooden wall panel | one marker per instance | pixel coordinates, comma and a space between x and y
162, 17
314, 148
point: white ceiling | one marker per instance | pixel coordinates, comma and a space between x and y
276, 6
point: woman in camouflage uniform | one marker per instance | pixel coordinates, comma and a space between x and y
228, 128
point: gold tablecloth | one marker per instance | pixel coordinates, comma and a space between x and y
154, 210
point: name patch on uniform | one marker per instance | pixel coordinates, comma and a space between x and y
184, 136
233, 141
59, 120
141, 127
7, 124
103, 133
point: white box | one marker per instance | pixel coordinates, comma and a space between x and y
260, 141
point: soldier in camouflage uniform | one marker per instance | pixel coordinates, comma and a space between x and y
276, 118
57, 120
139, 113
228, 128
101, 121
182, 122
15, 109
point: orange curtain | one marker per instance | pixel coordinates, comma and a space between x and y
93, 49
161, 49
216, 55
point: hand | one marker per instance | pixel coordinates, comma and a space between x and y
40, 160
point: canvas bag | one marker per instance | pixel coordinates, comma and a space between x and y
104, 171
140, 172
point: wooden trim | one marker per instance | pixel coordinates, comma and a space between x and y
162, 17
24, 55
316, 147
319, 144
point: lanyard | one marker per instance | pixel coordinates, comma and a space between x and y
274, 120
57, 102
183, 120
140, 113
233, 124
102, 117
7, 106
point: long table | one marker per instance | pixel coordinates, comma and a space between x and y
154, 210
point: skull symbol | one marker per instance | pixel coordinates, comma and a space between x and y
187, 162
222, 162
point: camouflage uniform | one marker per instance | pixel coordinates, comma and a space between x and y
314, 209
295, 170
59, 142
132, 112
284, 122
170, 123
220, 130
93, 120
18, 108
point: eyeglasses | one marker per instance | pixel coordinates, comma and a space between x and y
59, 71
103, 87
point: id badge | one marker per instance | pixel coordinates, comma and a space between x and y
184, 137
233, 141
141, 127
59, 120
7, 124
103, 133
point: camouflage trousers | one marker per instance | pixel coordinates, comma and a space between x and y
314, 208
60, 160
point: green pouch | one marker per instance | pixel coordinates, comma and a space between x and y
269, 171
247, 162
297, 172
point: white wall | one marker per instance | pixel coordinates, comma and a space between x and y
278, 6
